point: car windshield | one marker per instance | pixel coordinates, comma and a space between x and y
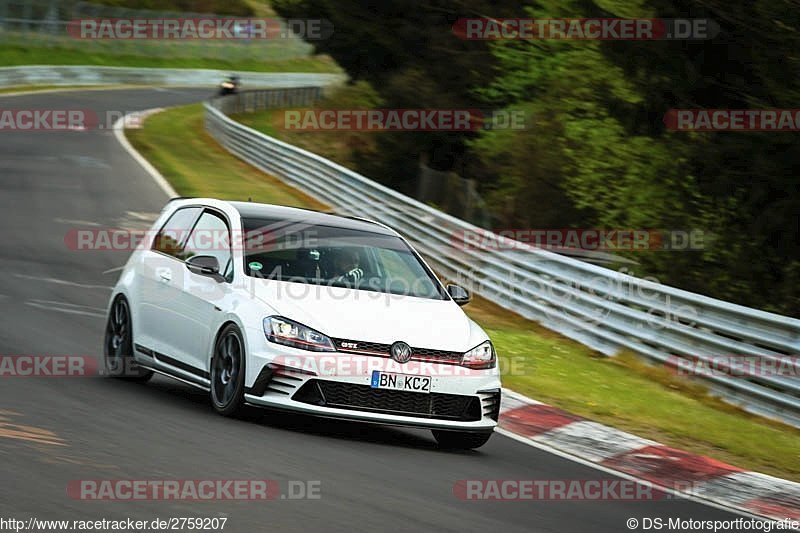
326, 255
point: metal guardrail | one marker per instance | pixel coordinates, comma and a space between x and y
606, 310
190, 77
274, 97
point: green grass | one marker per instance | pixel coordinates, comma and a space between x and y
13, 55
268, 121
623, 391
176, 142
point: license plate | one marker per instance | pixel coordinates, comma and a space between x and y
404, 382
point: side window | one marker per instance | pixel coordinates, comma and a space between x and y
211, 236
172, 236
393, 265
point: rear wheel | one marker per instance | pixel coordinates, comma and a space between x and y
227, 372
118, 345
460, 440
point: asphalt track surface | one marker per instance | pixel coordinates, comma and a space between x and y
54, 430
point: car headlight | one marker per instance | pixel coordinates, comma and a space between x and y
289, 333
480, 357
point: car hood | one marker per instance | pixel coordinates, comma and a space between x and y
374, 317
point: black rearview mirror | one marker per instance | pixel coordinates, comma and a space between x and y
459, 294
204, 265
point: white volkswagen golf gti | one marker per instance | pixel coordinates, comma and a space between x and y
304, 311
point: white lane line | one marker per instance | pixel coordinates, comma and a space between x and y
137, 220
144, 216
75, 222
67, 304
115, 269
63, 282
68, 310
119, 133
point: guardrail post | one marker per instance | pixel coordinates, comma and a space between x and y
26, 16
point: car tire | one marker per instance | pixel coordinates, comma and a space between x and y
118, 345
228, 371
460, 440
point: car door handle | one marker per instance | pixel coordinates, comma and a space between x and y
165, 275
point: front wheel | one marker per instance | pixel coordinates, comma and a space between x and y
460, 440
118, 345
227, 372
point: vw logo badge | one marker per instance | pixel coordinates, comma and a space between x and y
401, 352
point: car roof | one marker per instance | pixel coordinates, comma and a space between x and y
308, 216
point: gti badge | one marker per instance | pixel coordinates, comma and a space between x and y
401, 352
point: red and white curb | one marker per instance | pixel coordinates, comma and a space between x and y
676, 471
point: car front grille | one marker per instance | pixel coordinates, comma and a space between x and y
403, 403
383, 350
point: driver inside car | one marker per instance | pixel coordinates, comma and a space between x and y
346, 262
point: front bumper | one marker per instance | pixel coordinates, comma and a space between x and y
481, 426
337, 385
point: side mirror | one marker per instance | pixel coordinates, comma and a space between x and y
204, 265
458, 294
